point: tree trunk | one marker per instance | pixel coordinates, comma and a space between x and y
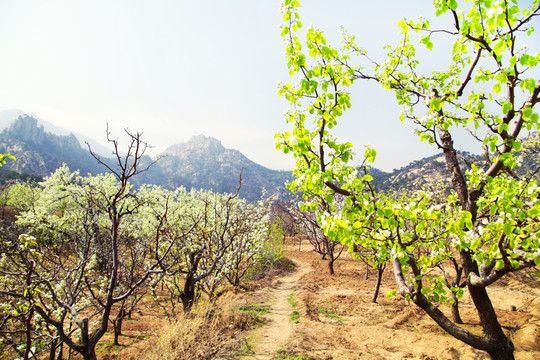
188, 295
380, 271
493, 341
331, 266
117, 325
60, 355
52, 351
456, 317
28, 334
502, 353
501, 347
367, 271
89, 354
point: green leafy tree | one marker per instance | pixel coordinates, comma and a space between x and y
488, 223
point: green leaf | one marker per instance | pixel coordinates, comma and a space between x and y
528, 84
436, 104
427, 42
506, 107
390, 293
507, 228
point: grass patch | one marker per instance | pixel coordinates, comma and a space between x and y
294, 316
287, 355
247, 348
331, 315
291, 299
206, 332
256, 311
255, 308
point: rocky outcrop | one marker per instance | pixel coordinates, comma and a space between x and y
40, 153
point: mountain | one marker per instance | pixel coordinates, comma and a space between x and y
39, 152
201, 163
8, 116
434, 167
204, 163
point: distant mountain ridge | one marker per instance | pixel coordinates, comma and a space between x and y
434, 168
8, 116
200, 163
39, 153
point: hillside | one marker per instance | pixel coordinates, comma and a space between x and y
40, 153
434, 167
203, 162
308, 314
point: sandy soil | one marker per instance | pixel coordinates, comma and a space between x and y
339, 321
279, 328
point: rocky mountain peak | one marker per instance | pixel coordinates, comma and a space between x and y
199, 145
206, 143
26, 128
39, 152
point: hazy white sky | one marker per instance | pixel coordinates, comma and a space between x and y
174, 69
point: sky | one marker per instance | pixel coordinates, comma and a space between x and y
176, 69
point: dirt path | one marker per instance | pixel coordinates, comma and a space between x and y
338, 320
279, 328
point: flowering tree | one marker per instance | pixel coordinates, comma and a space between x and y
220, 237
250, 230
488, 223
79, 261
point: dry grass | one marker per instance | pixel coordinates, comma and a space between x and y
217, 330
208, 331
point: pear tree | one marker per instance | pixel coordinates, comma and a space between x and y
77, 262
488, 222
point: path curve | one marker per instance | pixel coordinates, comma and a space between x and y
278, 328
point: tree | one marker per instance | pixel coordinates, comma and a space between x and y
219, 237
80, 261
329, 250
488, 223
209, 249
250, 231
